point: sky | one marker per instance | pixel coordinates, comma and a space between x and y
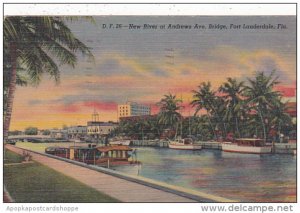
143, 65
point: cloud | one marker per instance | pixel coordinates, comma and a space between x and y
85, 106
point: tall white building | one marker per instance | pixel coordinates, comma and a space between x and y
133, 109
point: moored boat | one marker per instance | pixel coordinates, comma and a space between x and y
75, 140
247, 146
120, 142
102, 156
184, 144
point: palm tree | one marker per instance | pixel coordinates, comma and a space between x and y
169, 107
38, 45
261, 97
279, 116
205, 98
233, 91
21, 80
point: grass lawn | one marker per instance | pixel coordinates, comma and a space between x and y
40, 147
11, 157
36, 183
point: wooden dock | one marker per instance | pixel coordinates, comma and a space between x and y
125, 189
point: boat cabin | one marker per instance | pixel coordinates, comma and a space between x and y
250, 142
185, 141
113, 153
58, 151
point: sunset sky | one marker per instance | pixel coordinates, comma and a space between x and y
132, 65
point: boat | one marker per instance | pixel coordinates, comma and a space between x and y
114, 155
102, 155
76, 140
248, 146
120, 142
184, 144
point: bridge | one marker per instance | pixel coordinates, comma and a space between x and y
15, 138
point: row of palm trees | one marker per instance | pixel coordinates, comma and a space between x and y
235, 109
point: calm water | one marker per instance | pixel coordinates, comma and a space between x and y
243, 177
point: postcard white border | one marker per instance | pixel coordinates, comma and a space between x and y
140, 9
150, 9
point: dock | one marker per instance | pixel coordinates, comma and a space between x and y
150, 143
278, 148
123, 187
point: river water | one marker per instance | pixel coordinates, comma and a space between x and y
242, 177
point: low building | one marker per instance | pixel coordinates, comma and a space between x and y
99, 129
59, 134
133, 109
77, 132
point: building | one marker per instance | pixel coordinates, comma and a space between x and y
98, 129
77, 132
59, 134
133, 109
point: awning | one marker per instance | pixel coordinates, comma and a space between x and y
114, 148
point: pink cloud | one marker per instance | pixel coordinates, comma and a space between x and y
110, 106
287, 91
87, 106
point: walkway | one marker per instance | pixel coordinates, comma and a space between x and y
123, 190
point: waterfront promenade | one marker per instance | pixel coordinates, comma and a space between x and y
119, 188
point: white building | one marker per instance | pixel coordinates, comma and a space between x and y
59, 134
133, 109
96, 129
77, 132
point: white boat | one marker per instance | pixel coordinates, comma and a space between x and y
76, 140
247, 145
184, 144
120, 142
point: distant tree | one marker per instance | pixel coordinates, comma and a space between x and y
31, 131
15, 132
46, 132
64, 127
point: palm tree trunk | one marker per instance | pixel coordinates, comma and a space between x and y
225, 130
11, 91
213, 129
220, 120
263, 124
237, 126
